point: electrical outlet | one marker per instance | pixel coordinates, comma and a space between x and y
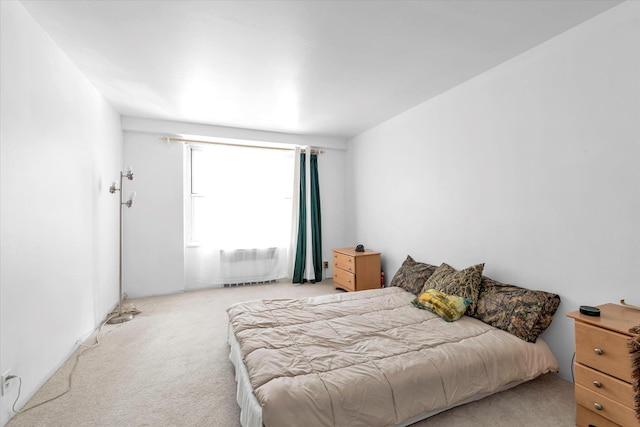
6, 381
326, 264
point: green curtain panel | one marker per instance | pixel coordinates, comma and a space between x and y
316, 223
301, 247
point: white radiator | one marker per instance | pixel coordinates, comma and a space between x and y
252, 266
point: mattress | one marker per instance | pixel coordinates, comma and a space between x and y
367, 358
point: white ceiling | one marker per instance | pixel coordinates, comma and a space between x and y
334, 68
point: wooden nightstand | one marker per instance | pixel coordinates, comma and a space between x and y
603, 382
356, 271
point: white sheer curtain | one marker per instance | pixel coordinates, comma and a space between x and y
295, 211
238, 215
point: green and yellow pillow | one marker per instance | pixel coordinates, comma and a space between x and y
464, 283
449, 307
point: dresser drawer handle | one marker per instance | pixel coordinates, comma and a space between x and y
597, 406
598, 384
598, 351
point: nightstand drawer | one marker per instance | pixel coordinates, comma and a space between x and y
587, 418
605, 385
344, 262
606, 407
344, 279
604, 350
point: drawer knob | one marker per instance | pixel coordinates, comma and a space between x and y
597, 406
598, 351
598, 384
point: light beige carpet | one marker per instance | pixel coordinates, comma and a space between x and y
170, 367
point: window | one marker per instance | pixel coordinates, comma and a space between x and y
240, 197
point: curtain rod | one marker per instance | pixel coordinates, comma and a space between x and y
187, 141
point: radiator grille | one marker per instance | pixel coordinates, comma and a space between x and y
231, 285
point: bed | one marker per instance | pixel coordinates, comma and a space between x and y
370, 358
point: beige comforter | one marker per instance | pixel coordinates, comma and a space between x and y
370, 358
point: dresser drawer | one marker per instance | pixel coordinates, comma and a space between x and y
604, 350
587, 418
345, 262
608, 408
344, 279
605, 385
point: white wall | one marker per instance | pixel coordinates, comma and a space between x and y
153, 237
61, 146
155, 258
333, 204
531, 168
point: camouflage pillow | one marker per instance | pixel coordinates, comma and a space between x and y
449, 307
412, 275
464, 283
519, 311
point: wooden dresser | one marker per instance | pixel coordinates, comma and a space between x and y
602, 369
356, 271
